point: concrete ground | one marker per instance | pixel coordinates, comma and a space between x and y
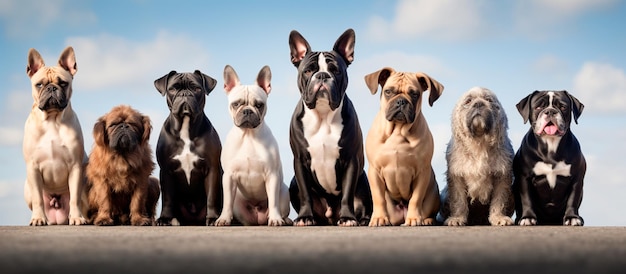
90, 249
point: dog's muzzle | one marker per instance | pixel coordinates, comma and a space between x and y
480, 119
400, 110
124, 139
52, 97
247, 118
185, 104
321, 86
550, 123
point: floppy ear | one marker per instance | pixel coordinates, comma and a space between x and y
67, 60
524, 106
147, 129
35, 62
231, 79
380, 77
264, 79
161, 83
298, 47
99, 132
345, 46
208, 83
577, 107
427, 83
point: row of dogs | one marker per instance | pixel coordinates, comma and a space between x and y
203, 183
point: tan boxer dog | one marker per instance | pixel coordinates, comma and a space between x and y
53, 144
399, 148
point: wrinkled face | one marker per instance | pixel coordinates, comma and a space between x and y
550, 113
402, 98
51, 88
247, 105
479, 111
185, 94
123, 129
322, 79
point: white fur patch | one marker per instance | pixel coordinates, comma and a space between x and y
322, 130
186, 157
561, 168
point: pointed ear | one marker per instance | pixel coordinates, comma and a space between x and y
147, 129
99, 132
577, 107
523, 107
427, 83
161, 83
208, 83
374, 79
231, 79
298, 47
35, 62
264, 79
345, 46
67, 60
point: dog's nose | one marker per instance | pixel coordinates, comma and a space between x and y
479, 104
401, 102
247, 112
322, 76
551, 112
51, 88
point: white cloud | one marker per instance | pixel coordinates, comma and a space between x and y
31, 18
601, 87
539, 18
107, 61
443, 19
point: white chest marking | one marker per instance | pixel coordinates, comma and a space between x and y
322, 130
186, 157
561, 168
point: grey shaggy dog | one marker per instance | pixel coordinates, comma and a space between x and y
479, 157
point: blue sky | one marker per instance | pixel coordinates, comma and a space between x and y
511, 47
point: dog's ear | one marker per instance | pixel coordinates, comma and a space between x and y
298, 47
231, 79
577, 107
67, 60
161, 83
345, 46
380, 77
524, 106
208, 83
264, 79
427, 83
35, 62
99, 132
147, 129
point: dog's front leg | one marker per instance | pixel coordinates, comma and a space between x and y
500, 200
167, 182
230, 189
525, 212
272, 188
138, 210
574, 200
348, 187
34, 196
457, 200
305, 212
380, 216
213, 187
76, 183
415, 213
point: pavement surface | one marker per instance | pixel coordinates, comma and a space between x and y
90, 249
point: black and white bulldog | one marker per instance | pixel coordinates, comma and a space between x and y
188, 152
330, 185
549, 166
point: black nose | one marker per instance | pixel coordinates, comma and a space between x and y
51, 88
401, 102
247, 112
551, 112
479, 104
322, 76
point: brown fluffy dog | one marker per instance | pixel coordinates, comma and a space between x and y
120, 164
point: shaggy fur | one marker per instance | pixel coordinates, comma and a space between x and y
121, 190
479, 157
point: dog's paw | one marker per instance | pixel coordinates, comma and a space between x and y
428, 221
500, 220
141, 221
38, 222
222, 221
105, 221
346, 221
276, 222
455, 221
164, 221
414, 221
304, 221
380, 221
528, 221
288, 221
573, 221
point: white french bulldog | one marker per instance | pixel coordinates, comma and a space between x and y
254, 192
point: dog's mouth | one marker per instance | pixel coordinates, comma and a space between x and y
124, 143
550, 129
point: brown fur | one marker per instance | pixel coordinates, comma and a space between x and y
121, 190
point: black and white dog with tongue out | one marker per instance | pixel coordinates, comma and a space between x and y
330, 186
549, 166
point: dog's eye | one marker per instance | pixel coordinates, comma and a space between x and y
259, 105
387, 92
39, 85
467, 101
489, 99
198, 89
63, 84
235, 104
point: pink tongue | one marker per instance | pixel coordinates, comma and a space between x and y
550, 130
